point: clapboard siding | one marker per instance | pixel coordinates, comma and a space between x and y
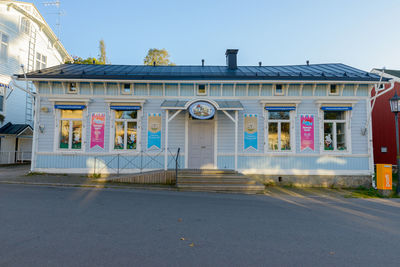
171, 89
85, 89
303, 163
156, 89
226, 133
358, 120
294, 90
215, 90
348, 90
106, 163
187, 89
266, 90
362, 90
46, 119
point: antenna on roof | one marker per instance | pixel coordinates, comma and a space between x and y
59, 13
308, 62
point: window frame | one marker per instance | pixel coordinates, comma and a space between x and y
292, 132
6, 44
69, 91
205, 89
347, 121
43, 64
58, 129
123, 89
25, 28
283, 89
138, 121
330, 89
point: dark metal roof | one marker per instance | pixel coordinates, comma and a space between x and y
395, 73
312, 72
13, 129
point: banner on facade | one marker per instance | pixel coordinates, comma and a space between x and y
97, 126
250, 131
307, 132
154, 130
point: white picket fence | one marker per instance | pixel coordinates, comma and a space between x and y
10, 157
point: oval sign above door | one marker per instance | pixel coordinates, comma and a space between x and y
201, 110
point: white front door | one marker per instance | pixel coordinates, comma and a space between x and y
201, 144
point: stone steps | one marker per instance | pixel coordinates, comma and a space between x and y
247, 189
217, 181
205, 171
210, 180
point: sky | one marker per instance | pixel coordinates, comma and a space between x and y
361, 33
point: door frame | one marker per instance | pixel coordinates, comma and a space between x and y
187, 121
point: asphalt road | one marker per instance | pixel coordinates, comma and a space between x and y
50, 226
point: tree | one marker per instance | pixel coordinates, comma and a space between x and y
159, 57
102, 48
101, 60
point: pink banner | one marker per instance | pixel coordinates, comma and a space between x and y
97, 130
307, 132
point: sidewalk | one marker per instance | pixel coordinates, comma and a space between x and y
19, 174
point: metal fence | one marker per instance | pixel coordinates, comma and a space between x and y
143, 161
10, 157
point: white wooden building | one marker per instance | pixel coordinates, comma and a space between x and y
25, 39
296, 121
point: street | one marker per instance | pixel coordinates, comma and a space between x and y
56, 226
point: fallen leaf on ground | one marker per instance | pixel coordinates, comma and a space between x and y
332, 253
182, 238
179, 220
191, 245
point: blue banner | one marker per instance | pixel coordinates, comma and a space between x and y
154, 130
250, 131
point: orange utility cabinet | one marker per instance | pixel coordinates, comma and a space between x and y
384, 176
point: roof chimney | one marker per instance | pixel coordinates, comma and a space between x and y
202, 62
260, 64
231, 58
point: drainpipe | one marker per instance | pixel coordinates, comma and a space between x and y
368, 127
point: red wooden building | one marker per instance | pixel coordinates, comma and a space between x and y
383, 123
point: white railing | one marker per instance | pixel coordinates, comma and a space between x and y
10, 157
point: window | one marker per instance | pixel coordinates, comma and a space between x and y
125, 132
25, 25
126, 88
381, 86
1, 103
41, 61
201, 89
278, 130
335, 131
333, 89
278, 89
4, 46
71, 129
72, 89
